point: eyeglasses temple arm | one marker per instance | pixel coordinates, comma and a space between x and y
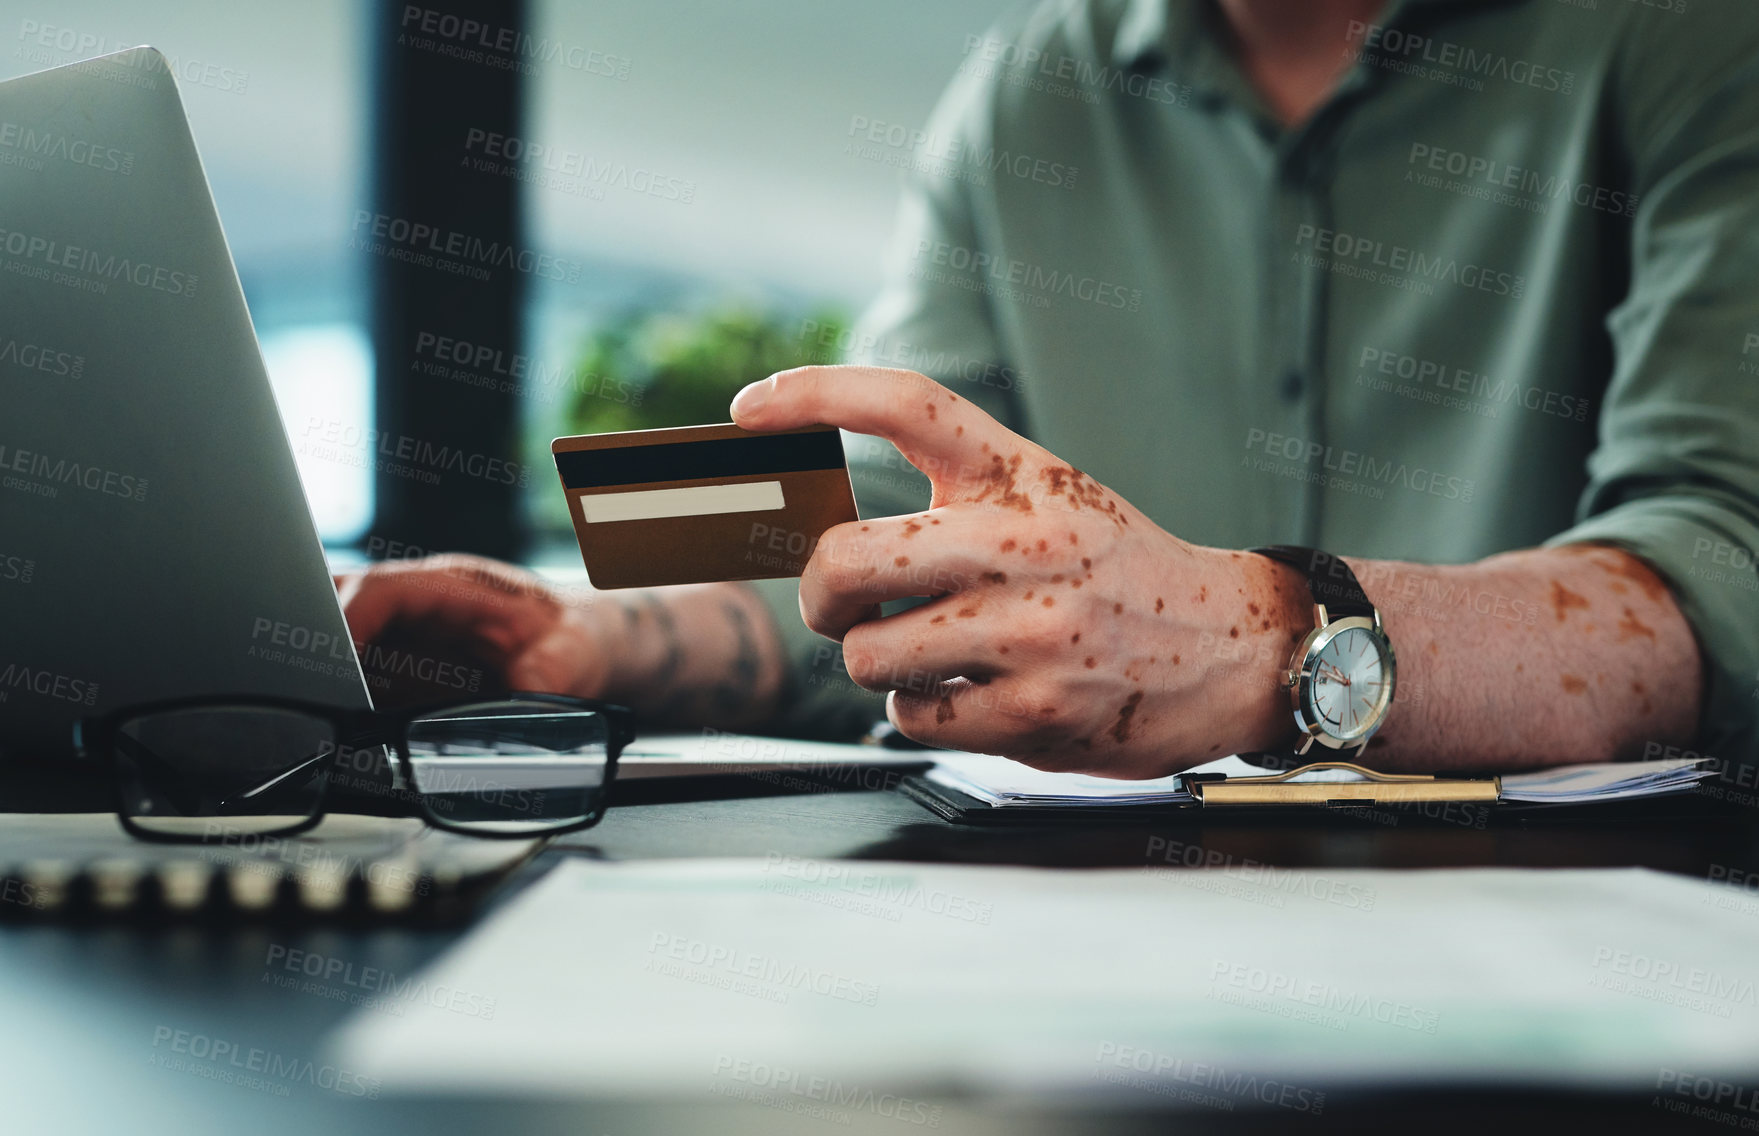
278, 778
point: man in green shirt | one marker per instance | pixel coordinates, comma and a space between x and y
1464, 292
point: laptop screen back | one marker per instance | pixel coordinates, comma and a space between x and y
154, 538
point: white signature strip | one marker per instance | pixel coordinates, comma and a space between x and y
693, 501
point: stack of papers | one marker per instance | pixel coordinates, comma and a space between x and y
1008, 784
1574, 784
1003, 784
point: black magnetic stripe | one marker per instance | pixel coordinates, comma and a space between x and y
718, 457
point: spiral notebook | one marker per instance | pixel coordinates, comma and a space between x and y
350, 868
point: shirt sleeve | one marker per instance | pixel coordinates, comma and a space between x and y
1675, 475
932, 316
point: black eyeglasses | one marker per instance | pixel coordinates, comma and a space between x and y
521, 765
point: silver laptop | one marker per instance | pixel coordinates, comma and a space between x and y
154, 537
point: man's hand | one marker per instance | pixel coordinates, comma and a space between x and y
1064, 628
503, 627
456, 624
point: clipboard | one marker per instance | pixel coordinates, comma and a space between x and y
968, 789
1218, 790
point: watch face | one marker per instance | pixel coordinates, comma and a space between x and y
1351, 684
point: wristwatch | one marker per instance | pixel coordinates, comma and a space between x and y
1341, 676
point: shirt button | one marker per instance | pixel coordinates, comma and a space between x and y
1294, 386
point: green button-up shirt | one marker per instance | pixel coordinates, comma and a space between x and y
1501, 290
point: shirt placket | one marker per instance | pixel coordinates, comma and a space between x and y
1288, 395
1297, 374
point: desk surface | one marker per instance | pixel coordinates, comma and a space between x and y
85, 1004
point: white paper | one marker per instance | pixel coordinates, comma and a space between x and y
831, 983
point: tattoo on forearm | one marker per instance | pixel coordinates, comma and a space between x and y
673, 660
733, 693
715, 684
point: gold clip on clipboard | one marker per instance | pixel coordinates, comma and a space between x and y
1217, 790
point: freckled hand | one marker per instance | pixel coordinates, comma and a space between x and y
1010, 524
1053, 631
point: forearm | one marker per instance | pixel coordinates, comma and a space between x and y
1538, 657
697, 655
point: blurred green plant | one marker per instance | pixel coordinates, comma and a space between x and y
649, 369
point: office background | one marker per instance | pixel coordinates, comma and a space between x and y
696, 178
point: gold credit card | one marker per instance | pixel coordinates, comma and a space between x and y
702, 503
